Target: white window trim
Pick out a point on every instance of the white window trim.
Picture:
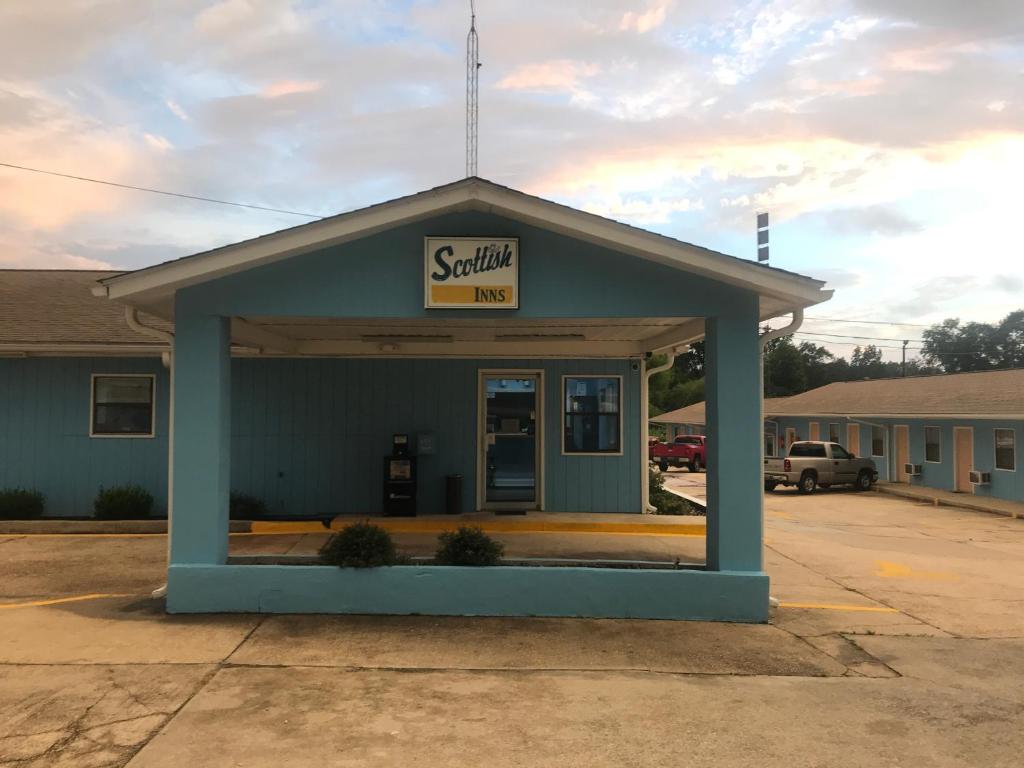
(562, 413)
(1012, 431)
(926, 459)
(152, 405)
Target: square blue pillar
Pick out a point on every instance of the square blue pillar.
(202, 438)
(735, 526)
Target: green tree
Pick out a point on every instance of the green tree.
(973, 346)
(784, 369)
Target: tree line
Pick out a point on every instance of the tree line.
(791, 368)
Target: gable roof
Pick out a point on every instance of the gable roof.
(695, 413)
(55, 310)
(982, 394)
(781, 291)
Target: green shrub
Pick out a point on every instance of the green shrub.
(123, 502)
(360, 545)
(20, 504)
(245, 506)
(666, 502)
(468, 545)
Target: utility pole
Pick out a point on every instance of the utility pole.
(472, 92)
(904, 364)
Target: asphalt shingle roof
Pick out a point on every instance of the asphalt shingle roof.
(56, 306)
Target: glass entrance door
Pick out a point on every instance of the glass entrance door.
(510, 447)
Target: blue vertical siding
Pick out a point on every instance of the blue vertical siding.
(308, 435)
(44, 433)
(1005, 484)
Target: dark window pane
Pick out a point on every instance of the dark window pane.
(1006, 449)
(123, 405)
(809, 450)
(932, 444)
(592, 405)
(877, 441)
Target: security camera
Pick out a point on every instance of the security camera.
(635, 366)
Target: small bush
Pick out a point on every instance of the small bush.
(468, 545)
(245, 506)
(360, 545)
(123, 502)
(20, 504)
(666, 502)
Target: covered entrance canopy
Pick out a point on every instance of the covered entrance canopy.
(345, 314)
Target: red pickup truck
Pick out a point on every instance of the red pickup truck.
(685, 450)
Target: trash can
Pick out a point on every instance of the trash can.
(453, 494)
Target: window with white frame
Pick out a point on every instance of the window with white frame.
(122, 405)
(1006, 449)
(878, 441)
(592, 422)
(833, 433)
(933, 444)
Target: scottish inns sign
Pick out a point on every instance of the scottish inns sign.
(472, 272)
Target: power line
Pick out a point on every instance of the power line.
(160, 191)
(865, 338)
(868, 322)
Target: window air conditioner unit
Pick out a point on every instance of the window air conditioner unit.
(914, 470)
(980, 478)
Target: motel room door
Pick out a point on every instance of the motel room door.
(901, 434)
(964, 453)
(510, 440)
(853, 439)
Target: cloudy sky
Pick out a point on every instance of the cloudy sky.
(886, 137)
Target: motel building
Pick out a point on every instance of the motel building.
(505, 335)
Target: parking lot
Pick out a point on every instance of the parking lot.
(899, 640)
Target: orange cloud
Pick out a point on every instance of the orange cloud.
(290, 87)
(557, 75)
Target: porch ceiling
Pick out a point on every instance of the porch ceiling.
(483, 337)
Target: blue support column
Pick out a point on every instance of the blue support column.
(734, 472)
(202, 439)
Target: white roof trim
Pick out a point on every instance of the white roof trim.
(471, 194)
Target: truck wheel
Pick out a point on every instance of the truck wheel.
(808, 483)
(769, 485)
(863, 482)
(695, 464)
(663, 465)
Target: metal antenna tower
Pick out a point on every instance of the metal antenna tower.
(472, 91)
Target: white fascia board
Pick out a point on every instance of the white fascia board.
(517, 349)
(790, 291)
(166, 278)
(653, 247)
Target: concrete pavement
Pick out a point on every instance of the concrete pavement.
(900, 641)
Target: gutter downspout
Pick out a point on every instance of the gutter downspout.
(131, 317)
(762, 342)
(645, 414)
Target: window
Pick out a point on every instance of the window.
(877, 441)
(1006, 449)
(593, 414)
(838, 452)
(933, 444)
(770, 439)
(833, 433)
(688, 440)
(808, 450)
(122, 406)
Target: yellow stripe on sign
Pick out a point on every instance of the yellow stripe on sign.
(831, 607)
(487, 295)
(58, 600)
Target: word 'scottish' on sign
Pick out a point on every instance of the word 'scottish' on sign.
(471, 273)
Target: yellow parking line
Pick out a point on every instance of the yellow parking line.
(56, 601)
(830, 607)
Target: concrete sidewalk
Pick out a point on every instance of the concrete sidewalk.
(948, 498)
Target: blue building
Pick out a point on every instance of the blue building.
(956, 432)
(508, 336)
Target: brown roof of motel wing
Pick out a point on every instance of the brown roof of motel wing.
(983, 394)
(56, 307)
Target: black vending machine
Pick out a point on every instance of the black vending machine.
(400, 480)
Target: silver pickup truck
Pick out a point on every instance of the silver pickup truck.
(811, 463)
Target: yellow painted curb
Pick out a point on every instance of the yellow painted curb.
(58, 600)
(283, 526)
(414, 525)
